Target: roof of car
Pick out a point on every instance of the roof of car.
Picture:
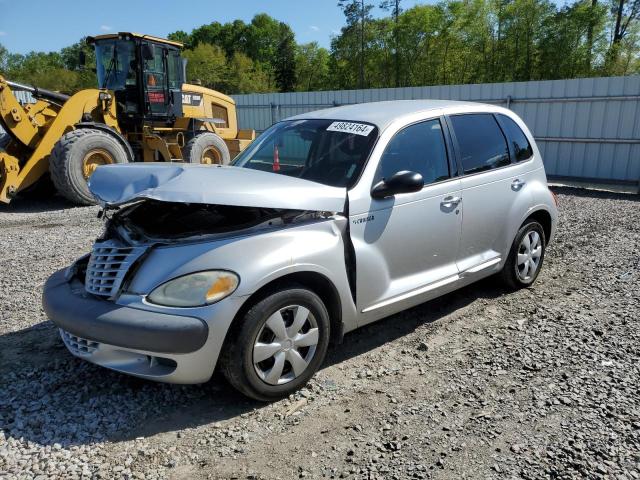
(380, 114)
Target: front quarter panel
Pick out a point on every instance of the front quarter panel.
(258, 259)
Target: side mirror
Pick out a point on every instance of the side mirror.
(400, 182)
(82, 58)
(147, 52)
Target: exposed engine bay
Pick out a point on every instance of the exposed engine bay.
(156, 221)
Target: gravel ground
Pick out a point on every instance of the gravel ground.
(540, 383)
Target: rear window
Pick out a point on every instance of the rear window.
(482, 143)
(521, 147)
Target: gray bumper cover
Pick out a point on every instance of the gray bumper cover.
(106, 322)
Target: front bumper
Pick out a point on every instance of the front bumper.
(149, 344)
(88, 317)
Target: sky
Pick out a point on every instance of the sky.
(43, 25)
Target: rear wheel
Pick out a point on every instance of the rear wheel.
(207, 148)
(526, 256)
(76, 156)
(279, 344)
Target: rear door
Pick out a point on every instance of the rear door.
(406, 245)
(490, 187)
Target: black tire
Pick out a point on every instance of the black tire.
(509, 273)
(237, 356)
(207, 148)
(67, 158)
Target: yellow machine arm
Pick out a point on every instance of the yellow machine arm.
(36, 127)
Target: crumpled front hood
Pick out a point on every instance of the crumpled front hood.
(114, 185)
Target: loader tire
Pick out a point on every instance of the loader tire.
(74, 158)
(206, 148)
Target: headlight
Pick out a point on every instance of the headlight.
(195, 289)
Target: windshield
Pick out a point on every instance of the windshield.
(116, 61)
(330, 152)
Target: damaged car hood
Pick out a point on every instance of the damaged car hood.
(114, 185)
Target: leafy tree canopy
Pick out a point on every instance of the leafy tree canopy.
(449, 42)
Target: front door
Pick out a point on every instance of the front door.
(406, 245)
(157, 99)
(175, 80)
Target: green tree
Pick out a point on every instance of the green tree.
(394, 7)
(207, 64)
(312, 67)
(180, 36)
(284, 63)
(357, 14)
(263, 37)
(71, 60)
(270, 44)
(625, 15)
(245, 76)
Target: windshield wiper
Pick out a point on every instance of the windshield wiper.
(111, 67)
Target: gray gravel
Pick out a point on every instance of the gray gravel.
(540, 383)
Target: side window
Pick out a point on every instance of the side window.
(154, 69)
(521, 146)
(418, 148)
(482, 144)
(174, 69)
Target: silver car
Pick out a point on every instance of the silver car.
(328, 221)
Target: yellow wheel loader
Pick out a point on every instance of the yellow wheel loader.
(142, 111)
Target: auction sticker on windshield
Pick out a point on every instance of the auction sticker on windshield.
(351, 127)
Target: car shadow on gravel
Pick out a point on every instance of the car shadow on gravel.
(404, 323)
(49, 397)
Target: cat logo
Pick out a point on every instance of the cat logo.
(192, 99)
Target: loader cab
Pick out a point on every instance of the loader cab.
(146, 75)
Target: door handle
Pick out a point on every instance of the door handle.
(450, 201)
(517, 184)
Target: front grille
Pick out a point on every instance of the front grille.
(78, 345)
(108, 265)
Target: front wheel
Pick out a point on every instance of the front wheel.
(279, 344)
(206, 148)
(525, 257)
(76, 156)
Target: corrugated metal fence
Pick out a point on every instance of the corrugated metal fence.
(587, 129)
